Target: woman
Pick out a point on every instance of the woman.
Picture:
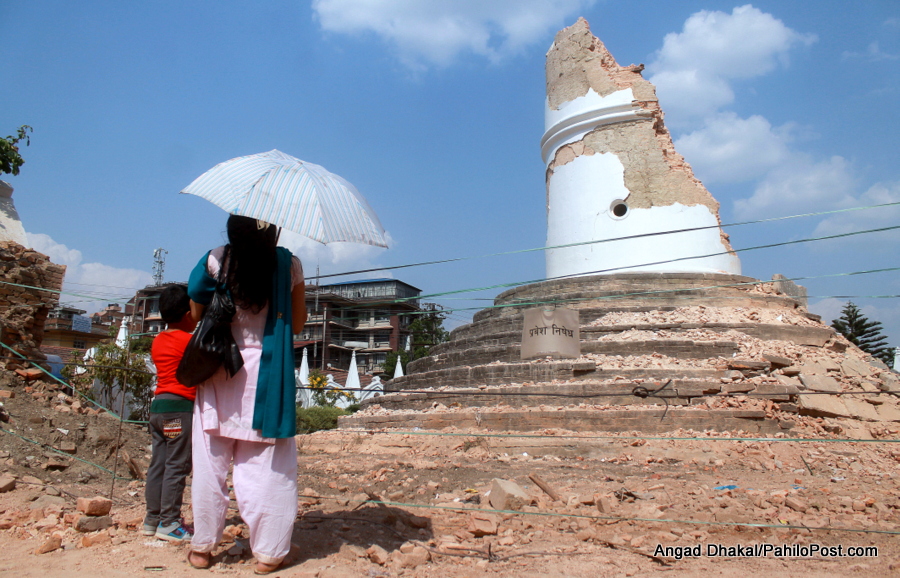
(249, 419)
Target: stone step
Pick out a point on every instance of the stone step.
(507, 373)
(510, 353)
(672, 391)
(799, 334)
(646, 420)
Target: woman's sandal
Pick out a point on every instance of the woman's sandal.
(206, 558)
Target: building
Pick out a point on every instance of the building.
(369, 317)
(144, 310)
(110, 316)
(68, 328)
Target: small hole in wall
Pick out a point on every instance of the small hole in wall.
(618, 208)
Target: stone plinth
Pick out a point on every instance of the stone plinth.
(659, 352)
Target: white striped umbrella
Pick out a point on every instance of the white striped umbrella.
(293, 194)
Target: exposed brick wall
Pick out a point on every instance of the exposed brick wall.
(23, 310)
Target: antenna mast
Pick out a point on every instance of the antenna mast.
(159, 266)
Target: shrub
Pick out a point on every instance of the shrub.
(313, 419)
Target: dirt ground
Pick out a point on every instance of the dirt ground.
(621, 497)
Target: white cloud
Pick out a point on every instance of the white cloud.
(89, 286)
(693, 68)
(873, 53)
(868, 219)
(799, 186)
(730, 149)
(426, 33)
(334, 257)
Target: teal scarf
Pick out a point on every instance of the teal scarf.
(274, 412)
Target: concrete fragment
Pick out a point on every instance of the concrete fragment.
(508, 495)
(96, 506)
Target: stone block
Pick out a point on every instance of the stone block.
(508, 495)
(52, 543)
(378, 554)
(888, 412)
(67, 446)
(742, 364)
(7, 483)
(738, 387)
(483, 524)
(415, 558)
(777, 361)
(852, 367)
(97, 539)
(96, 506)
(820, 382)
(859, 409)
(93, 523)
(828, 405)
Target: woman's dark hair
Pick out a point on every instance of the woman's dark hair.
(251, 261)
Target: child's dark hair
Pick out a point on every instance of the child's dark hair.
(174, 303)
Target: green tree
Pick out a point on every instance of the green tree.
(428, 329)
(390, 362)
(115, 368)
(863, 333)
(10, 159)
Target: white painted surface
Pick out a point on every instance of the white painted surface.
(579, 116)
(11, 228)
(580, 194)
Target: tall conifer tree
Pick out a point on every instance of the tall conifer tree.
(863, 333)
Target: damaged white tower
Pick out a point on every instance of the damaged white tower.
(612, 171)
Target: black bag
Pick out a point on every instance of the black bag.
(212, 345)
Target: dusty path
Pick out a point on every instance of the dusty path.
(853, 486)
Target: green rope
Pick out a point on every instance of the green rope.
(628, 237)
(637, 519)
(611, 437)
(613, 269)
(83, 396)
(51, 448)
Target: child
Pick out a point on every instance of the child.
(170, 421)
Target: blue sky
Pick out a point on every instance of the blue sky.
(434, 110)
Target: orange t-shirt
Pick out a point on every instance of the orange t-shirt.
(166, 352)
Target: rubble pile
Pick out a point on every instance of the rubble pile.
(30, 289)
(748, 352)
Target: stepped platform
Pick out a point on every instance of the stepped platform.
(690, 344)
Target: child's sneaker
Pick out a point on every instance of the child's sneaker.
(148, 530)
(174, 532)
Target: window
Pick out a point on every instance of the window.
(79, 344)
